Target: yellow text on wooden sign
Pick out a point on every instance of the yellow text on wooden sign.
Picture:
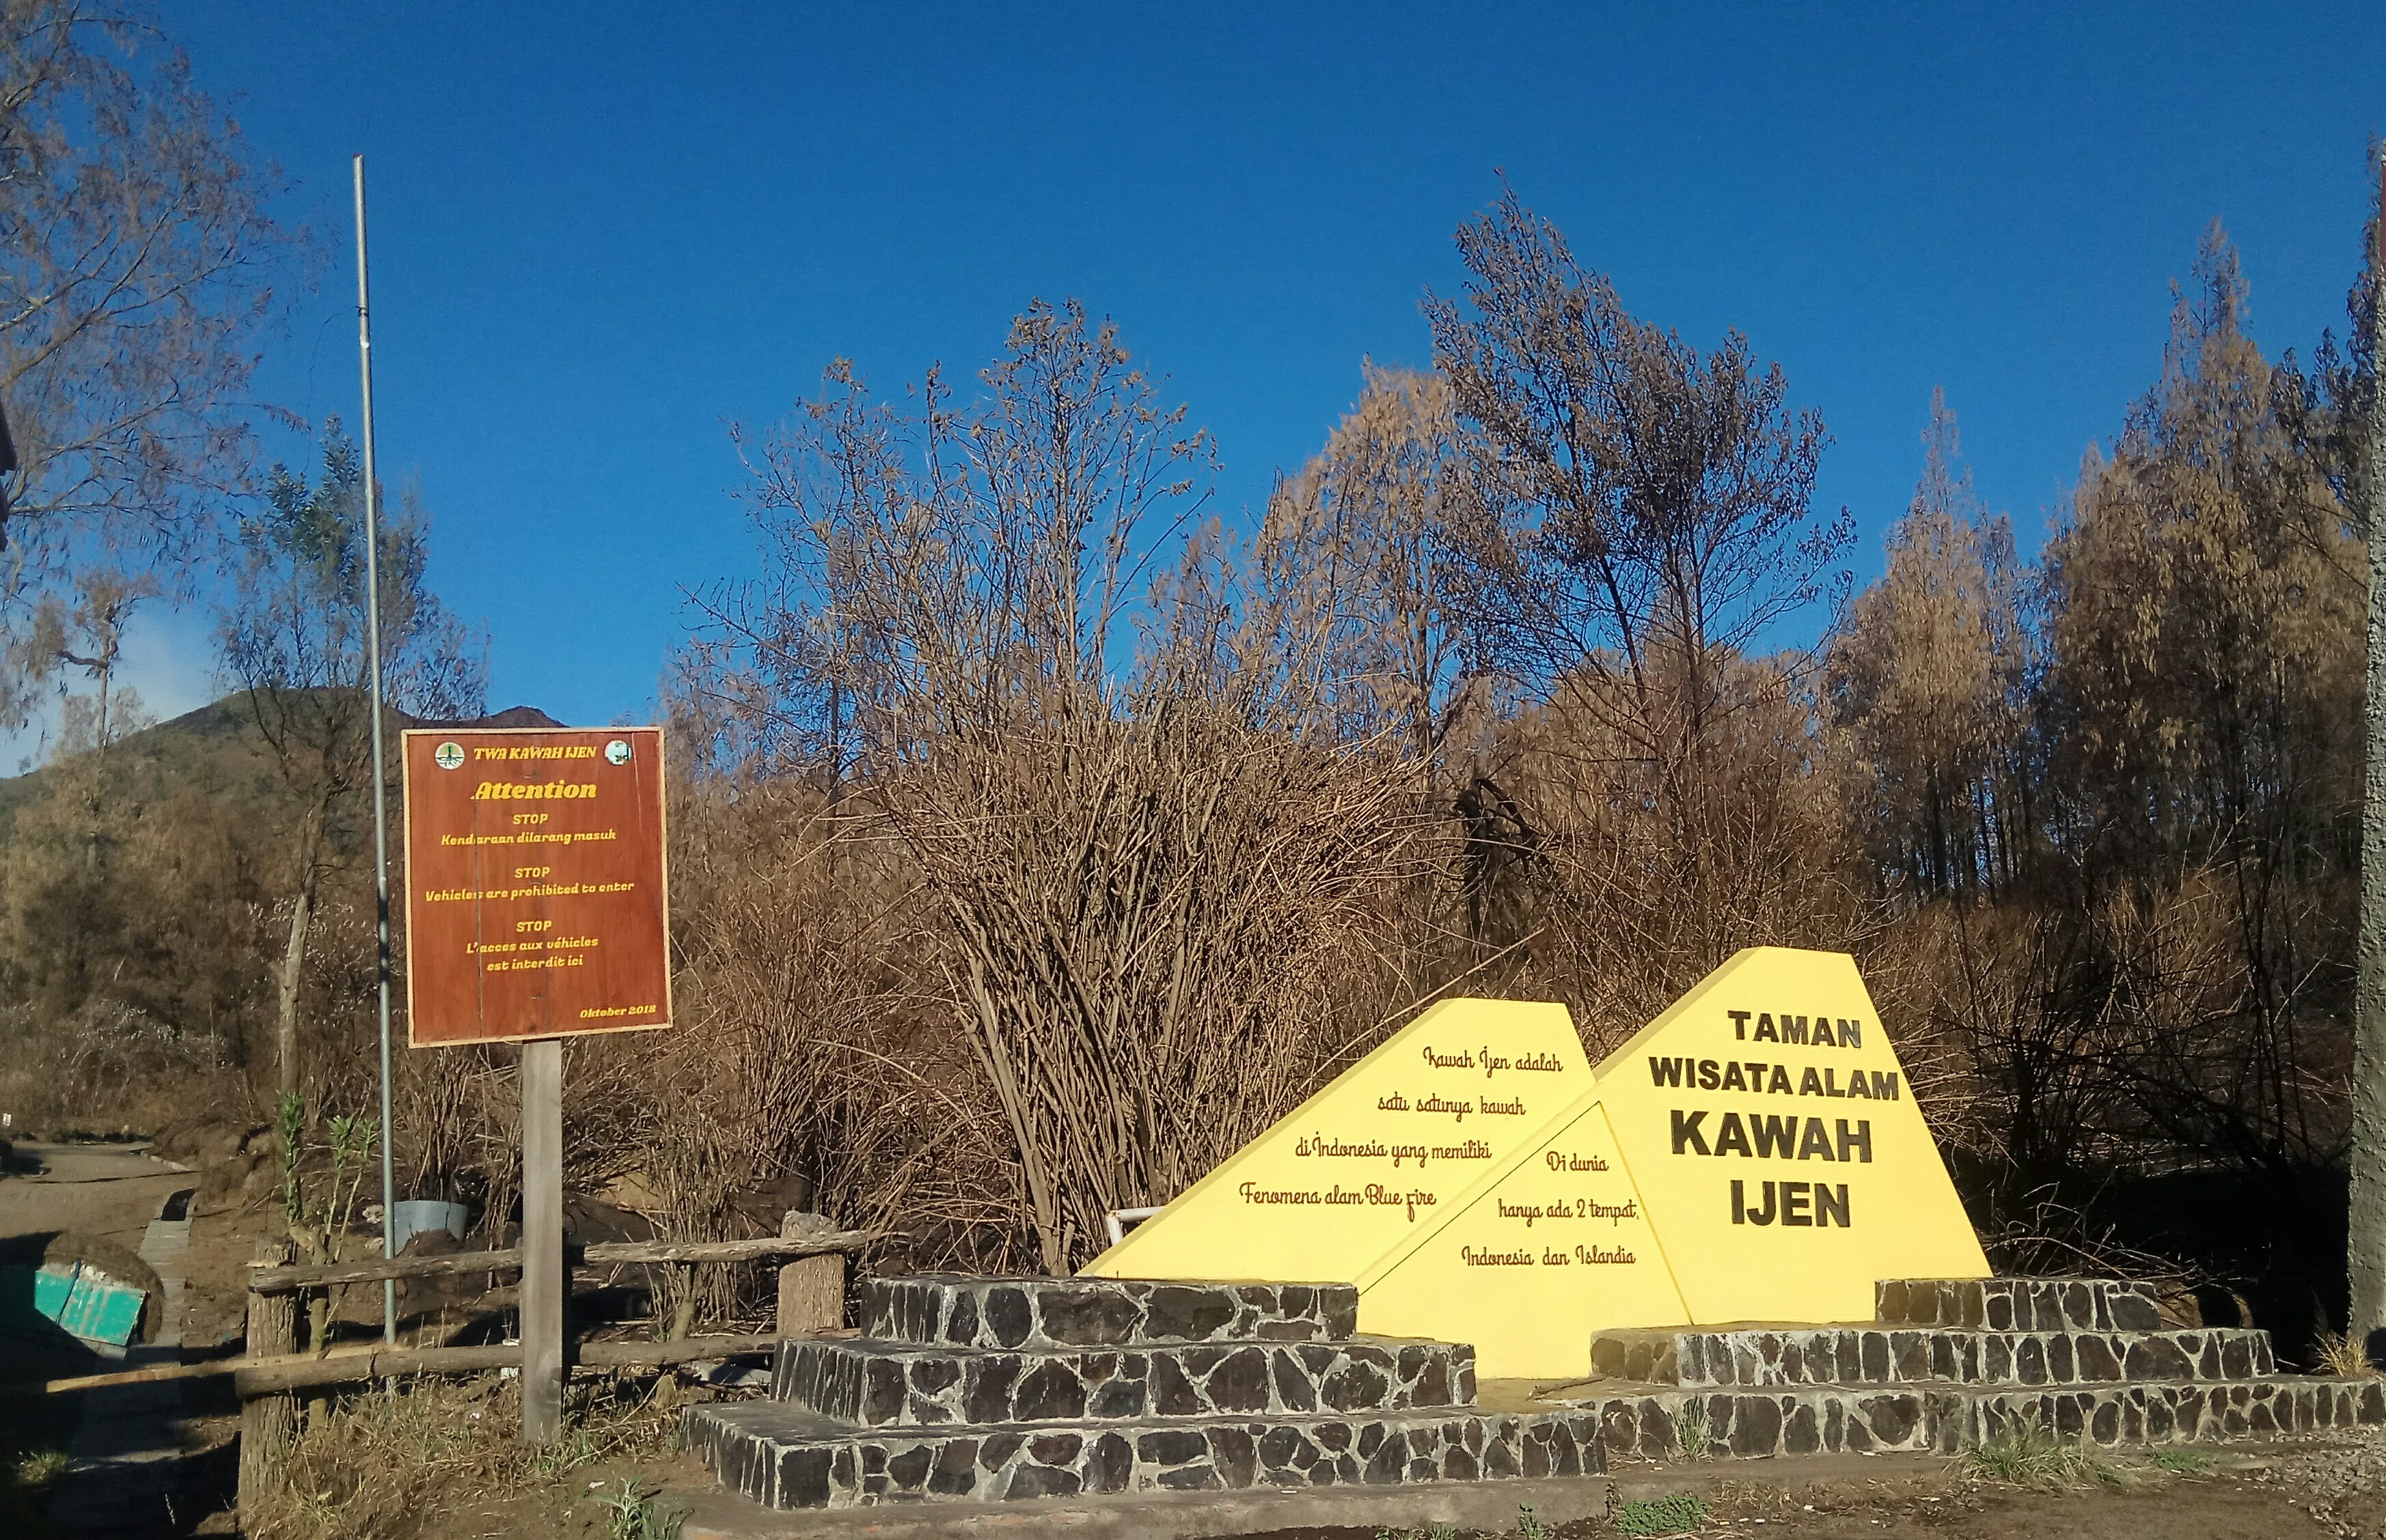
(1754, 1153)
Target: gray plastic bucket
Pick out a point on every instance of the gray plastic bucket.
(410, 1219)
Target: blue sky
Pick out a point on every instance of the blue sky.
(602, 232)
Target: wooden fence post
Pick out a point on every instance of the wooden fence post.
(812, 1289)
(546, 1282)
(268, 1422)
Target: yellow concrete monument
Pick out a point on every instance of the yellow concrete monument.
(1753, 1154)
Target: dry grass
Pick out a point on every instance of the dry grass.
(376, 1467)
(2342, 1354)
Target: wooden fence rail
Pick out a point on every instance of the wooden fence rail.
(267, 1279)
(811, 1298)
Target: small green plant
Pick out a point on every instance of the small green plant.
(1528, 1524)
(1438, 1531)
(1692, 1430)
(631, 1513)
(37, 1469)
(1678, 1514)
(2024, 1454)
(2181, 1462)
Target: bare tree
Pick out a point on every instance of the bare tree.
(293, 639)
(137, 263)
(1139, 858)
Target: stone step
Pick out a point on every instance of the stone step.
(1652, 1420)
(1060, 1313)
(2018, 1304)
(783, 1457)
(879, 1384)
(1763, 1355)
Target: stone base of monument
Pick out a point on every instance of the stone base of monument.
(1948, 1363)
(963, 1389)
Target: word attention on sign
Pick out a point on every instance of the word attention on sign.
(1753, 1154)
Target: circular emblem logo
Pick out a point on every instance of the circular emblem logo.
(617, 752)
(448, 756)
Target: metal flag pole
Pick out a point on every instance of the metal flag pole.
(380, 780)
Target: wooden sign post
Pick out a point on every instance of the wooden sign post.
(537, 909)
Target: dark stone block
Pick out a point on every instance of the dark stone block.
(1875, 1355)
(955, 1472)
(1008, 1316)
(1171, 1394)
(1055, 1448)
(1756, 1426)
(1457, 1464)
(1997, 1310)
(2097, 1358)
(1051, 1393)
(1798, 1434)
(1041, 1481)
(987, 1398)
(997, 1449)
(1190, 1478)
(1384, 1466)
(2104, 1421)
(1371, 1438)
(1114, 1399)
(932, 1374)
(1187, 1314)
(1356, 1386)
(882, 1391)
(1170, 1446)
(2029, 1361)
(1233, 1455)
(1111, 1466)
(1292, 1387)
(1296, 1300)
(1088, 1317)
(1279, 1446)
(874, 1460)
(1240, 1383)
(1431, 1388)
(2158, 1358)
(2236, 1358)
(804, 1479)
(907, 1471)
(1500, 1460)
(1334, 1437)
(962, 1328)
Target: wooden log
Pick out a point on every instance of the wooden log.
(263, 1279)
(812, 1289)
(263, 1377)
(654, 1355)
(763, 1251)
(268, 1423)
(306, 1371)
(286, 1280)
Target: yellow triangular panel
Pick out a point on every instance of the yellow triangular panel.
(1771, 1131)
(1559, 1240)
(1368, 1163)
(1754, 1153)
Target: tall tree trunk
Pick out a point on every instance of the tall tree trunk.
(294, 960)
(2366, 1219)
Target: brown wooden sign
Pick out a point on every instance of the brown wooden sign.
(535, 883)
